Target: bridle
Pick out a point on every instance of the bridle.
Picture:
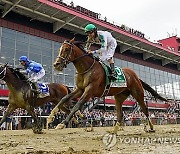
(66, 60)
(3, 72)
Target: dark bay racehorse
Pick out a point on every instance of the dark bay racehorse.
(22, 96)
(90, 82)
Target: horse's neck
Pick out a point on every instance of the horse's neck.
(83, 63)
(12, 88)
(13, 83)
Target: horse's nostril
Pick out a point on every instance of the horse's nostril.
(54, 64)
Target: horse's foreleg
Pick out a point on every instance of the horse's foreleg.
(56, 109)
(74, 109)
(67, 111)
(81, 115)
(37, 129)
(75, 94)
(9, 110)
(86, 95)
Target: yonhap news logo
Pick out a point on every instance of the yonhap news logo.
(149, 140)
(110, 140)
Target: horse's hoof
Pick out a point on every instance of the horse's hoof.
(116, 129)
(121, 129)
(60, 126)
(151, 131)
(111, 132)
(40, 132)
(37, 131)
(89, 129)
(146, 130)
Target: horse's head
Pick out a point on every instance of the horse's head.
(3, 70)
(65, 55)
(6, 70)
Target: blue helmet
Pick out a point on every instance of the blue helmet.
(23, 58)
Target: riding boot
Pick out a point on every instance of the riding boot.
(37, 90)
(113, 72)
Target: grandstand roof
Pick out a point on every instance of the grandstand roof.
(68, 17)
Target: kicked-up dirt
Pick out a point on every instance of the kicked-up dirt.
(133, 140)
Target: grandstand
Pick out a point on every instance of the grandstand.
(37, 28)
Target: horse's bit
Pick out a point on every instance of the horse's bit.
(65, 61)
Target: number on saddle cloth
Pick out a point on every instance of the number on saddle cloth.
(44, 88)
(120, 79)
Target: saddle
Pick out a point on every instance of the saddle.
(107, 69)
(119, 81)
(40, 90)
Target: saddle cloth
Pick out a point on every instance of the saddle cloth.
(120, 80)
(43, 89)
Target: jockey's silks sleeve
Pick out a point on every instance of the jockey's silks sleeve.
(103, 41)
(33, 67)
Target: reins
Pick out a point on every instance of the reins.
(88, 68)
(66, 59)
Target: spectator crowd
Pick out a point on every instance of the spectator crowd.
(20, 119)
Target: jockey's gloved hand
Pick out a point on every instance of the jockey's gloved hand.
(29, 80)
(22, 71)
(90, 52)
(17, 69)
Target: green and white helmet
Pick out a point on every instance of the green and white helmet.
(89, 28)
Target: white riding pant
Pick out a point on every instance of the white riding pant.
(34, 77)
(109, 53)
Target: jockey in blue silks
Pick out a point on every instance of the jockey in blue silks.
(33, 69)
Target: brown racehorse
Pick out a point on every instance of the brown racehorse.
(90, 82)
(22, 96)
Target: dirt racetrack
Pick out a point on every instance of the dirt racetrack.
(133, 140)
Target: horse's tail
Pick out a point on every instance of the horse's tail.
(152, 91)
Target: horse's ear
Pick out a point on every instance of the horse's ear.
(72, 40)
(5, 64)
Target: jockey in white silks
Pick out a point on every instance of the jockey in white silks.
(108, 45)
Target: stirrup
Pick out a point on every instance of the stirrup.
(36, 91)
(113, 76)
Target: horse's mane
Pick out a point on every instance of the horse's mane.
(80, 45)
(17, 73)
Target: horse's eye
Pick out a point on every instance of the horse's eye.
(66, 49)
